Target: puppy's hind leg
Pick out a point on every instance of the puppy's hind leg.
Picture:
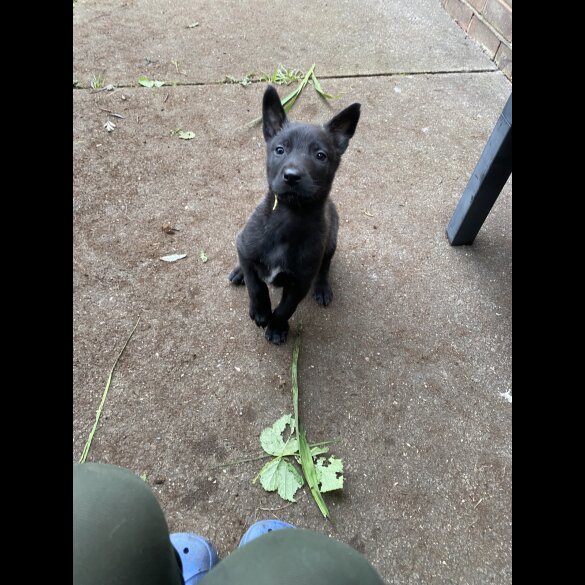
(322, 291)
(236, 276)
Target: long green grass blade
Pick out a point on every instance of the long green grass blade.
(289, 100)
(310, 473)
(282, 75)
(307, 463)
(98, 414)
(320, 90)
(294, 371)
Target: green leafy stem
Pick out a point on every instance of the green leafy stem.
(285, 442)
(289, 100)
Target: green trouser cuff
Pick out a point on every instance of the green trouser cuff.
(293, 557)
(120, 535)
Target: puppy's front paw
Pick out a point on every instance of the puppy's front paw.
(236, 276)
(277, 333)
(260, 316)
(323, 294)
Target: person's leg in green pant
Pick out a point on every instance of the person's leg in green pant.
(293, 557)
(120, 537)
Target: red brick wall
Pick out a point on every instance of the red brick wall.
(489, 23)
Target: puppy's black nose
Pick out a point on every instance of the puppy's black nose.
(291, 176)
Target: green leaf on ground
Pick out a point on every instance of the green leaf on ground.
(183, 134)
(280, 475)
(272, 441)
(203, 256)
(186, 134)
(330, 476)
(109, 126)
(193, 25)
(146, 82)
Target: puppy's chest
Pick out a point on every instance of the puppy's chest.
(289, 250)
(275, 262)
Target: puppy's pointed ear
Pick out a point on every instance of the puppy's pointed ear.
(273, 114)
(342, 126)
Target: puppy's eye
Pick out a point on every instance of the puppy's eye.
(321, 155)
(279, 150)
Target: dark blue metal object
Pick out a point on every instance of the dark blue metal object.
(488, 178)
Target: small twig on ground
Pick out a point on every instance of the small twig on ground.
(112, 113)
(98, 414)
(265, 456)
(238, 462)
(176, 64)
(109, 87)
(279, 508)
(272, 510)
(368, 211)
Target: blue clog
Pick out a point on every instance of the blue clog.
(263, 527)
(197, 555)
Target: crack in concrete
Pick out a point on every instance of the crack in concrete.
(341, 76)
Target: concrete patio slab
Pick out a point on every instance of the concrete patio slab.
(124, 39)
(407, 367)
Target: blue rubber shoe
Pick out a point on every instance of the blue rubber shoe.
(263, 527)
(197, 555)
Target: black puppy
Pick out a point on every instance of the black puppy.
(291, 237)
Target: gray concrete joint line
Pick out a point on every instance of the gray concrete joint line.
(351, 76)
(407, 73)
